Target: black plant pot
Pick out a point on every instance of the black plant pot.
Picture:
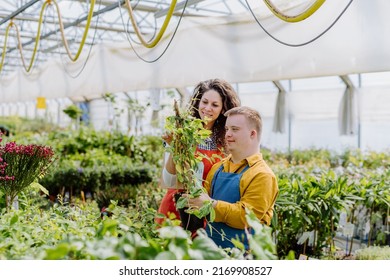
(189, 221)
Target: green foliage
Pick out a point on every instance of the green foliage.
(105, 183)
(309, 204)
(73, 112)
(175, 245)
(261, 243)
(187, 132)
(106, 165)
(373, 253)
(77, 231)
(315, 187)
(27, 234)
(38, 231)
(22, 127)
(85, 140)
(123, 194)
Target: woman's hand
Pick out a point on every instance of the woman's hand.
(167, 137)
(169, 164)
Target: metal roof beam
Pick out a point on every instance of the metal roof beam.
(100, 27)
(179, 6)
(18, 11)
(139, 6)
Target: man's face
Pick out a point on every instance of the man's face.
(238, 134)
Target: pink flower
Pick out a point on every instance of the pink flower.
(20, 165)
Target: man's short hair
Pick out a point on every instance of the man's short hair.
(251, 115)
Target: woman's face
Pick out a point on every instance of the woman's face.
(210, 107)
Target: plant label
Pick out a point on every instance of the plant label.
(343, 219)
(367, 227)
(348, 229)
(303, 257)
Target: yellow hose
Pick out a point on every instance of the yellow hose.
(162, 30)
(12, 24)
(89, 18)
(5, 45)
(38, 36)
(302, 16)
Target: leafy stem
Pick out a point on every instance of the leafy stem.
(187, 132)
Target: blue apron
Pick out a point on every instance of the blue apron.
(226, 187)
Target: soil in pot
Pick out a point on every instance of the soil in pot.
(189, 221)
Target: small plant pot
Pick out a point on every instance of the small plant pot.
(189, 221)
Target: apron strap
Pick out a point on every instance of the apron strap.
(220, 170)
(242, 171)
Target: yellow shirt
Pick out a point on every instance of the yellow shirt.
(258, 190)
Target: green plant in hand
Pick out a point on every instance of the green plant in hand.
(187, 132)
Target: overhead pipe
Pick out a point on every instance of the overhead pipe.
(104, 10)
(74, 23)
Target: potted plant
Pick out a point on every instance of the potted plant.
(20, 166)
(188, 131)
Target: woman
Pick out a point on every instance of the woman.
(211, 99)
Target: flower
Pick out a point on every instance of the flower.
(21, 165)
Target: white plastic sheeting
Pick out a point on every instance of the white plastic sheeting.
(234, 48)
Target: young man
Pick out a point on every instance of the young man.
(242, 180)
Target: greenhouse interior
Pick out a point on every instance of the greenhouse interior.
(88, 90)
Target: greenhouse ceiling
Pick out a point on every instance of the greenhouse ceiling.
(55, 48)
(108, 23)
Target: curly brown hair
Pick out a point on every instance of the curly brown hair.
(229, 100)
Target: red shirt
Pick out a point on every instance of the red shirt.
(213, 155)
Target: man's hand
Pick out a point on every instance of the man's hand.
(198, 201)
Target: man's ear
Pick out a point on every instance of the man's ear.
(253, 133)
